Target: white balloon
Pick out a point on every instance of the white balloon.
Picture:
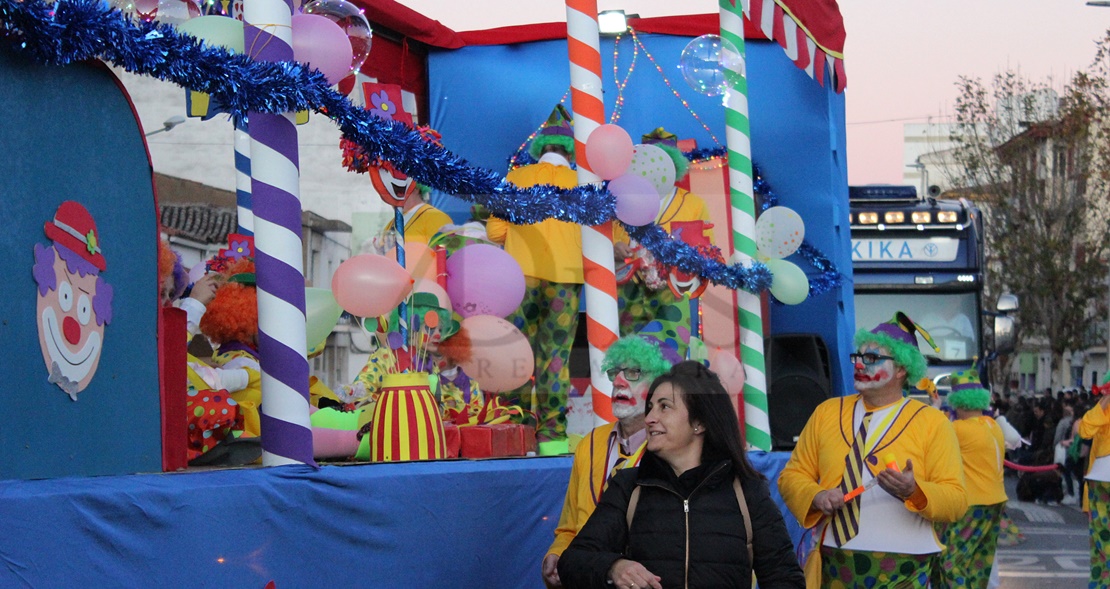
(655, 165)
(779, 232)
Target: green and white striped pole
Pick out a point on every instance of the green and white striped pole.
(757, 428)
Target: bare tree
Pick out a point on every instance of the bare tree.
(1038, 162)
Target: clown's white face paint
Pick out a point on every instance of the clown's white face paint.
(876, 376)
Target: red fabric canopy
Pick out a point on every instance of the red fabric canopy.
(810, 31)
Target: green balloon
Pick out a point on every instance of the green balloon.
(321, 313)
(215, 30)
(789, 283)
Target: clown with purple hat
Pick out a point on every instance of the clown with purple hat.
(550, 256)
(873, 471)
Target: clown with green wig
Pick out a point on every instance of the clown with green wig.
(631, 363)
(550, 256)
(648, 289)
(873, 471)
(971, 540)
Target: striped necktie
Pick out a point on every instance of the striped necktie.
(845, 523)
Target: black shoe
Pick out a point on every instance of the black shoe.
(231, 452)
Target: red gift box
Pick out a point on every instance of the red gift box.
(452, 438)
(528, 437)
(488, 441)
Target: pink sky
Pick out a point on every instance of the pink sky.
(902, 57)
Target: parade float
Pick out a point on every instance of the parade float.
(91, 411)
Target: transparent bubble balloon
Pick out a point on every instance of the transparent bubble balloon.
(708, 63)
(353, 22)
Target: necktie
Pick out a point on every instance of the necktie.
(845, 523)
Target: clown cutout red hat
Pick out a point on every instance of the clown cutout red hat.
(74, 228)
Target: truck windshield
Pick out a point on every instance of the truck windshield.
(952, 319)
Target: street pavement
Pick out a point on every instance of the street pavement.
(1054, 552)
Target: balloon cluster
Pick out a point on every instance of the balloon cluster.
(779, 232)
(639, 175)
(332, 36)
(484, 285)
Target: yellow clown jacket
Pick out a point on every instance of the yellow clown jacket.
(983, 448)
(588, 478)
(423, 224)
(919, 433)
(1095, 426)
(550, 250)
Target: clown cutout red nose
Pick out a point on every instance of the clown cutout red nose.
(74, 301)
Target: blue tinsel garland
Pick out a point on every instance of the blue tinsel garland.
(70, 31)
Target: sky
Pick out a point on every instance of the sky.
(903, 57)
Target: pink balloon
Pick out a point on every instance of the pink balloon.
(484, 280)
(430, 286)
(501, 358)
(609, 151)
(370, 285)
(729, 369)
(637, 199)
(323, 45)
(420, 260)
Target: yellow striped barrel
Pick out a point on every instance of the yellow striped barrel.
(406, 424)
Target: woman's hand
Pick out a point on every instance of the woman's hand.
(550, 572)
(900, 484)
(629, 574)
(829, 501)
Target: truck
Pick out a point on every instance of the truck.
(925, 256)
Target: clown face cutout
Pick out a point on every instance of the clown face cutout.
(393, 185)
(74, 303)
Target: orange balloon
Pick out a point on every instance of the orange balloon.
(501, 358)
(420, 260)
(729, 369)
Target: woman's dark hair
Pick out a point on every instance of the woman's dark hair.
(710, 404)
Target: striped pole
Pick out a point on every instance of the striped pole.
(757, 428)
(403, 308)
(275, 186)
(244, 209)
(602, 323)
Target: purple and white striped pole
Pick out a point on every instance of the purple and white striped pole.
(244, 209)
(275, 188)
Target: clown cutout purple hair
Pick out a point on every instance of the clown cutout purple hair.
(74, 302)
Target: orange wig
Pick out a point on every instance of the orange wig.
(232, 316)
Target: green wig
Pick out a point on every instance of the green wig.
(968, 392)
(681, 164)
(905, 355)
(637, 352)
(541, 141)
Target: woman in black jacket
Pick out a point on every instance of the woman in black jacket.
(686, 528)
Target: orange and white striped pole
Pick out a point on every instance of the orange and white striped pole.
(602, 321)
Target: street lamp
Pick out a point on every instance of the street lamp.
(168, 124)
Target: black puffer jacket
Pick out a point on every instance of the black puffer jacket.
(662, 531)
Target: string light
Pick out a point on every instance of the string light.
(659, 69)
(621, 85)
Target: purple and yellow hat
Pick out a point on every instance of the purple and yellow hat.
(668, 142)
(557, 130)
(899, 335)
(968, 392)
